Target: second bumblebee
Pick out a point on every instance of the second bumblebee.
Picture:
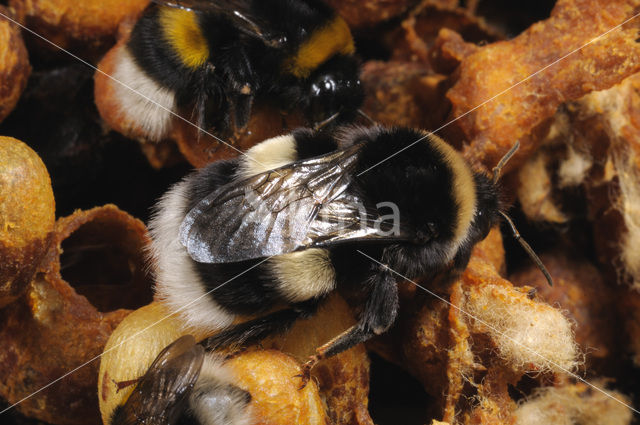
(208, 60)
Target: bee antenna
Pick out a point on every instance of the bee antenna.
(367, 117)
(498, 168)
(527, 247)
(321, 124)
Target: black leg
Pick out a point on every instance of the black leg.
(380, 311)
(242, 110)
(240, 76)
(208, 103)
(256, 330)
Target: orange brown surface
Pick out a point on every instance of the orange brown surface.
(27, 216)
(276, 397)
(522, 112)
(51, 329)
(398, 93)
(343, 380)
(68, 23)
(424, 63)
(367, 13)
(14, 65)
(420, 30)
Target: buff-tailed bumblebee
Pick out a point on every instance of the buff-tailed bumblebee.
(301, 214)
(208, 60)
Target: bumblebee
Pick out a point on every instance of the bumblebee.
(184, 385)
(303, 213)
(208, 60)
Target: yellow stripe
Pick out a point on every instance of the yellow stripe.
(464, 189)
(181, 30)
(335, 37)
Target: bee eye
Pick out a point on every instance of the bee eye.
(324, 86)
(323, 92)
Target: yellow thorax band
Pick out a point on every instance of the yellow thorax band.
(181, 30)
(335, 37)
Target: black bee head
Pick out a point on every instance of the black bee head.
(487, 210)
(334, 88)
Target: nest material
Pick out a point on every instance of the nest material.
(576, 122)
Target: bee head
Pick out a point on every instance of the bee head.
(334, 88)
(490, 210)
(488, 207)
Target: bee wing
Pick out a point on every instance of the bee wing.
(301, 205)
(238, 11)
(161, 394)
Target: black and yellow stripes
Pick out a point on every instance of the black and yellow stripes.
(325, 42)
(182, 32)
(463, 189)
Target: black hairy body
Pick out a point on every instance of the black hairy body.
(444, 210)
(210, 67)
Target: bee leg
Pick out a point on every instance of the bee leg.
(121, 385)
(256, 330)
(239, 72)
(242, 88)
(380, 311)
(209, 109)
(242, 110)
(235, 353)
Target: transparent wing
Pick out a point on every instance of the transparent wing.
(238, 11)
(305, 204)
(161, 394)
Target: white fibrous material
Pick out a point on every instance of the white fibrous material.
(594, 143)
(535, 191)
(529, 335)
(536, 187)
(628, 203)
(573, 171)
(573, 405)
(617, 109)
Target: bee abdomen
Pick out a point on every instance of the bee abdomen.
(303, 275)
(178, 282)
(139, 96)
